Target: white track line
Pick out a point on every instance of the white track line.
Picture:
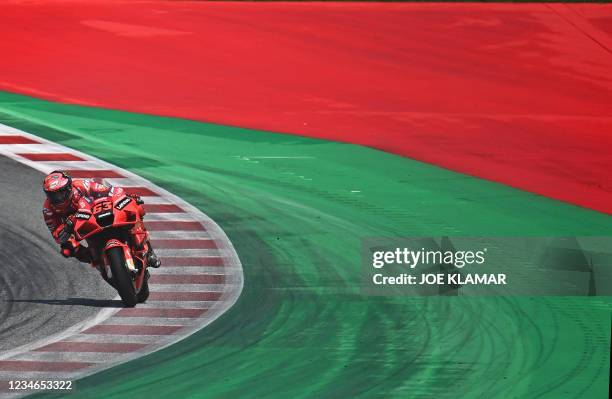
(179, 312)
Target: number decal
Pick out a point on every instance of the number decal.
(102, 206)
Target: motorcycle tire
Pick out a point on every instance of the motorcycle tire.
(143, 294)
(121, 277)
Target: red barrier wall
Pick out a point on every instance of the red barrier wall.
(516, 93)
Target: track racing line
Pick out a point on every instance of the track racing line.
(200, 278)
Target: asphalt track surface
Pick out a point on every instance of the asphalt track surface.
(41, 292)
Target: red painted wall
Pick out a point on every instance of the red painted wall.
(516, 93)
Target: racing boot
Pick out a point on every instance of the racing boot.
(152, 259)
(83, 255)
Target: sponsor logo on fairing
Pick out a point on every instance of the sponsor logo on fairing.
(82, 215)
(123, 203)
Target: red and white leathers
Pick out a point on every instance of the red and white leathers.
(84, 193)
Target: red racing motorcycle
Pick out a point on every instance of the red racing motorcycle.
(117, 240)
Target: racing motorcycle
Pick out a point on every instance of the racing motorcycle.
(113, 230)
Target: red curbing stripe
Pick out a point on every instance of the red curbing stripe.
(168, 225)
(16, 140)
(50, 157)
(163, 208)
(67, 346)
(187, 279)
(175, 261)
(142, 191)
(184, 244)
(84, 173)
(184, 296)
(123, 329)
(33, 365)
(161, 312)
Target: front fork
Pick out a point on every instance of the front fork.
(138, 274)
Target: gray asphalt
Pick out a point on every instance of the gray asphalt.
(41, 293)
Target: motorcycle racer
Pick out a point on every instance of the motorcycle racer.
(65, 196)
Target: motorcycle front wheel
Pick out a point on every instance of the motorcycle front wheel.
(143, 294)
(121, 277)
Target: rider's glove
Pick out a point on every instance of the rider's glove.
(64, 235)
(137, 198)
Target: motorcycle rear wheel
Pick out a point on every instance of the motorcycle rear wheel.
(121, 277)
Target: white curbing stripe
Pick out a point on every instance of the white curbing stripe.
(170, 235)
(174, 328)
(186, 287)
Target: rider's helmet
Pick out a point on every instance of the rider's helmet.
(58, 188)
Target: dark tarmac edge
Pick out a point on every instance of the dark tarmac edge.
(41, 293)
